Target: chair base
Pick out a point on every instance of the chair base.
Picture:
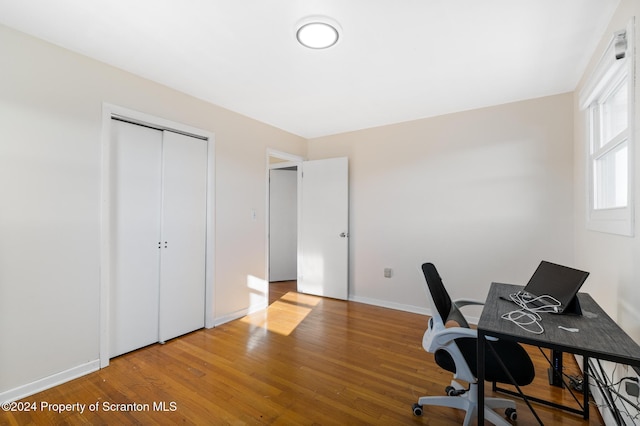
(469, 403)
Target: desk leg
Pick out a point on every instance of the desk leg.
(555, 370)
(585, 386)
(481, 374)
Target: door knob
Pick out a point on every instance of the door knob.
(343, 235)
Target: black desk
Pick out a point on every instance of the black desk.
(599, 336)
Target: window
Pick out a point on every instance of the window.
(608, 103)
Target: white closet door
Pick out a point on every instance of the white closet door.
(182, 276)
(136, 202)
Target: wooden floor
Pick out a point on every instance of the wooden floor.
(305, 360)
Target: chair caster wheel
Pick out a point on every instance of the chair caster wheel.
(511, 414)
(451, 391)
(417, 409)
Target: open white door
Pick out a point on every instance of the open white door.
(324, 228)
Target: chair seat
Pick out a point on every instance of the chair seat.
(514, 356)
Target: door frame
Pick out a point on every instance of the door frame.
(110, 111)
(288, 160)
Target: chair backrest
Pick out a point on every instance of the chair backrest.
(446, 308)
(459, 355)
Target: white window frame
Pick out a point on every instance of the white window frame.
(611, 71)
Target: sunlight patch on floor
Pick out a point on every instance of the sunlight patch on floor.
(303, 299)
(285, 314)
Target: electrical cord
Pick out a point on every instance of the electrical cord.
(575, 383)
(620, 406)
(528, 316)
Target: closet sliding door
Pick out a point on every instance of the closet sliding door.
(184, 206)
(135, 268)
(157, 290)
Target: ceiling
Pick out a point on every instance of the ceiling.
(397, 60)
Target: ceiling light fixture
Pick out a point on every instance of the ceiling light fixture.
(318, 32)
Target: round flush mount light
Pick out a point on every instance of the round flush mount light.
(318, 32)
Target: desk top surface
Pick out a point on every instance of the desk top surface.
(598, 336)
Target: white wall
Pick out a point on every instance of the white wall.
(614, 261)
(484, 194)
(283, 225)
(50, 116)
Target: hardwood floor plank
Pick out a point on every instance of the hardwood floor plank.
(303, 361)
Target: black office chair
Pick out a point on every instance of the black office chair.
(455, 350)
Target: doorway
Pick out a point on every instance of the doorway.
(322, 261)
(282, 221)
(283, 224)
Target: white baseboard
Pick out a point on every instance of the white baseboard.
(391, 305)
(366, 300)
(239, 314)
(401, 307)
(49, 381)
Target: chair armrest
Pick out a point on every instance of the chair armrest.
(433, 339)
(452, 333)
(466, 302)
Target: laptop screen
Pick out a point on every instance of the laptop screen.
(557, 281)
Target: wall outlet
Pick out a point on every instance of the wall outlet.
(388, 272)
(632, 388)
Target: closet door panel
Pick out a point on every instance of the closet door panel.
(136, 201)
(182, 278)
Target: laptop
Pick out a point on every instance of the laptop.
(560, 282)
